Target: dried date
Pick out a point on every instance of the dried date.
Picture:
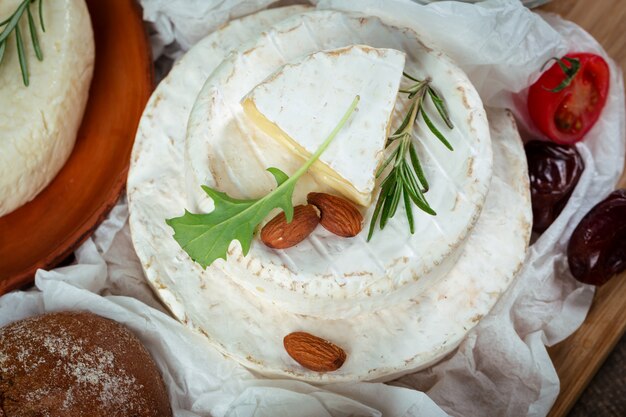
(554, 171)
(597, 248)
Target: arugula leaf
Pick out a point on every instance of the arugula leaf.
(206, 237)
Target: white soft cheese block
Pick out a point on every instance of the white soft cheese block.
(301, 103)
(38, 124)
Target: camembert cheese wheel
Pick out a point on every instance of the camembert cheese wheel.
(389, 342)
(325, 275)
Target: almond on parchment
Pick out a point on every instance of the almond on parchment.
(313, 352)
(338, 215)
(278, 234)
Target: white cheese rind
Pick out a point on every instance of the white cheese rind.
(300, 104)
(327, 276)
(39, 123)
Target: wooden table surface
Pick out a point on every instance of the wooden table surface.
(578, 358)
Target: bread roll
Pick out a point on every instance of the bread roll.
(77, 364)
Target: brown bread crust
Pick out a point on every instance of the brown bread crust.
(77, 364)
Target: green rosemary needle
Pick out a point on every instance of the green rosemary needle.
(11, 25)
(406, 181)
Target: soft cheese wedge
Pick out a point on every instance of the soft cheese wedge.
(301, 103)
(39, 123)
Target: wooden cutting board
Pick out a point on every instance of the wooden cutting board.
(579, 357)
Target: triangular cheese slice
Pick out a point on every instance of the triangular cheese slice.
(301, 103)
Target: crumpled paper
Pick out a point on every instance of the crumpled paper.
(501, 369)
(179, 24)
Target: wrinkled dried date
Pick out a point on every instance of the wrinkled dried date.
(554, 171)
(597, 248)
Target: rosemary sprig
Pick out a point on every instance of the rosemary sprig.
(11, 25)
(406, 181)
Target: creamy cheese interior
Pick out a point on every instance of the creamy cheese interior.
(39, 123)
(300, 104)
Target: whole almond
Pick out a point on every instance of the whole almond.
(338, 215)
(313, 352)
(278, 234)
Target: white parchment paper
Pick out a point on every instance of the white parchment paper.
(501, 369)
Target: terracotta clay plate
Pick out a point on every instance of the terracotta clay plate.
(45, 231)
